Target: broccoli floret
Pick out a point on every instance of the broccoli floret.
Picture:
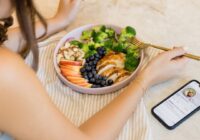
(131, 49)
(101, 28)
(130, 30)
(76, 43)
(86, 48)
(90, 53)
(97, 45)
(127, 34)
(132, 58)
(91, 45)
(87, 35)
(110, 32)
(132, 46)
(89, 48)
(99, 37)
(108, 43)
(131, 62)
(119, 47)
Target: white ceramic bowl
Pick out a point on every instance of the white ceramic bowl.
(76, 33)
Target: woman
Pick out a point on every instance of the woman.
(22, 96)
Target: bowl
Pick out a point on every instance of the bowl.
(76, 33)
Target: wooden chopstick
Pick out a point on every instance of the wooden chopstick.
(195, 57)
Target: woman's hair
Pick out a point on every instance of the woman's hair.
(4, 28)
(26, 13)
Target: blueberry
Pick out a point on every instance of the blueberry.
(104, 78)
(90, 75)
(110, 82)
(101, 51)
(92, 57)
(97, 56)
(86, 77)
(88, 68)
(103, 83)
(88, 59)
(94, 72)
(95, 62)
(96, 77)
(98, 82)
(97, 59)
(85, 73)
(94, 67)
(92, 80)
(82, 70)
(91, 63)
(86, 64)
(100, 77)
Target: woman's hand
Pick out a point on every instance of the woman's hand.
(67, 11)
(165, 66)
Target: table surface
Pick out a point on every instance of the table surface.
(163, 22)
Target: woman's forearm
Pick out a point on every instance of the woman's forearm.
(54, 25)
(108, 122)
(66, 13)
(16, 41)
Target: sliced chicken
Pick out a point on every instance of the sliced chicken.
(117, 58)
(112, 67)
(109, 72)
(105, 67)
(117, 73)
(121, 78)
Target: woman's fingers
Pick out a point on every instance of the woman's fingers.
(174, 53)
(181, 60)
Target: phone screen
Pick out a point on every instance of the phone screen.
(179, 105)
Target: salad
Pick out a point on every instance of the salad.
(100, 58)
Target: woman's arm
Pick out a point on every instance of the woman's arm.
(66, 13)
(26, 111)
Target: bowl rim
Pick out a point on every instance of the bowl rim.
(72, 85)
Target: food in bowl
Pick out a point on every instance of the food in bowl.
(100, 58)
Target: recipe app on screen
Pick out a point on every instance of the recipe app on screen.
(179, 105)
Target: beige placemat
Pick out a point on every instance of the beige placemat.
(79, 107)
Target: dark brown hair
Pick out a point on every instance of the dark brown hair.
(26, 13)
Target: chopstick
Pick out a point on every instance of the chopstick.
(192, 56)
(143, 45)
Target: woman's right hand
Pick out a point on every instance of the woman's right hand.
(163, 67)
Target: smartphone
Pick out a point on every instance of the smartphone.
(179, 106)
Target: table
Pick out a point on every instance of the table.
(162, 22)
